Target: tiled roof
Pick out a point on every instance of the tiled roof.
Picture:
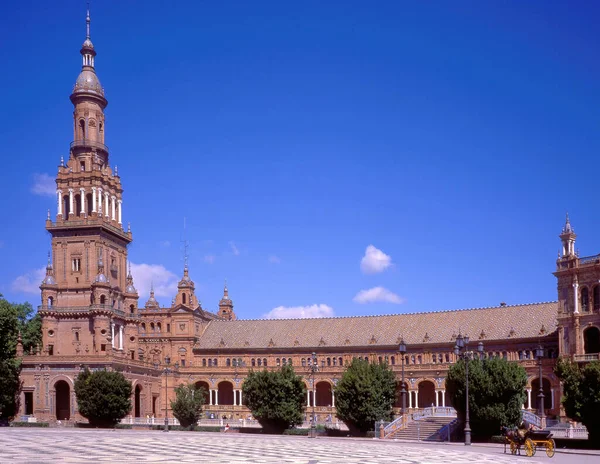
(497, 323)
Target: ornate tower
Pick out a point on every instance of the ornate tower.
(226, 306)
(578, 281)
(87, 295)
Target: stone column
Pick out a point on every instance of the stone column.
(417, 399)
(119, 209)
(71, 202)
(120, 337)
(113, 205)
(59, 194)
(332, 399)
(82, 193)
(437, 398)
(443, 398)
(99, 201)
(240, 397)
(308, 398)
(112, 330)
(94, 200)
(409, 399)
(216, 397)
(210, 397)
(576, 298)
(529, 398)
(106, 204)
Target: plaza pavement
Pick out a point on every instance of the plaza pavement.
(22, 445)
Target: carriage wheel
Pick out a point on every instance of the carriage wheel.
(513, 447)
(550, 448)
(529, 447)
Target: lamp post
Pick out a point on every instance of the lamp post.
(166, 371)
(539, 354)
(402, 351)
(313, 368)
(460, 350)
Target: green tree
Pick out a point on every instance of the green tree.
(103, 397)
(581, 394)
(365, 394)
(14, 318)
(276, 398)
(496, 394)
(187, 407)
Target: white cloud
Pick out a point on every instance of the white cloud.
(234, 249)
(30, 281)
(164, 281)
(274, 259)
(377, 295)
(297, 312)
(210, 259)
(43, 184)
(374, 261)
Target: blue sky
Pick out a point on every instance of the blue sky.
(346, 158)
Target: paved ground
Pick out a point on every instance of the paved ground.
(72, 445)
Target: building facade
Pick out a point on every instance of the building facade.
(91, 314)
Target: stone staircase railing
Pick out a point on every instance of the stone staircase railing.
(401, 422)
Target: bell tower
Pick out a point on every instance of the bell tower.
(88, 278)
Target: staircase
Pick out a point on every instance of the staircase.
(426, 428)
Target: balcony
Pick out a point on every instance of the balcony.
(587, 357)
(86, 143)
(84, 309)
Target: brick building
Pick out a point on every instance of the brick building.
(91, 316)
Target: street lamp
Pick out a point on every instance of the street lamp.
(166, 371)
(402, 350)
(313, 368)
(539, 354)
(460, 350)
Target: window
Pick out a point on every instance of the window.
(284, 362)
(228, 362)
(131, 309)
(76, 336)
(335, 361)
(182, 362)
(204, 363)
(143, 327)
(132, 354)
(585, 299)
(278, 362)
(259, 362)
(184, 298)
(209, 362)
(76, 264)
(380, 360)
(82, 166)
(341, 361)
(290, 361)
(158, 327)
(102, 347)
(50, 350)
(328, 362)
(168, 327)
(215, 362)
(447, 358)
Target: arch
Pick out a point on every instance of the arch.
(585, 299)
(535, 388)
(225, 393)
(66, 206)
(81, 129)
(89, 203)
(131, 309)
(398, 394)
(323, 393)
(426, 394)
(77, 204)
(63, 400)
(102, 299)
(206, 387)
(50, 301)
(137, 404)
(591, 340)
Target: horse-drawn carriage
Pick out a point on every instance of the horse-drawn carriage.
(530, 440)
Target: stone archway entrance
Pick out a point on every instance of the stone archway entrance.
(206, 388)
(535, 389)
(137, 403)
(591, 340)
(323, 394)
(226, 393)
(63, 400)
(426, 394)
